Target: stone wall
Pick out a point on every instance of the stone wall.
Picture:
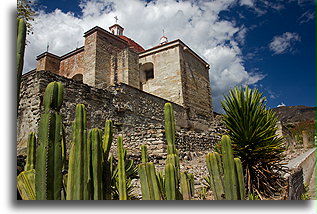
(72, 63)
(167, 81)
(296, 185)
(137, 115)
(196, 84)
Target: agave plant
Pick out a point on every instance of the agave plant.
(252, 129)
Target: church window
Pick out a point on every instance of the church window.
(148, 71)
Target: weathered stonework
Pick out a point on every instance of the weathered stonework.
(116, 79)
(171, 70)
(139, 120)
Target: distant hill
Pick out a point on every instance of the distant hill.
(295, 114)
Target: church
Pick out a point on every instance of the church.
(170, 70)
(117, 79)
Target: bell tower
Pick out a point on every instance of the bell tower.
(116, 29)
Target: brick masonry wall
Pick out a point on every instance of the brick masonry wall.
(72, 64)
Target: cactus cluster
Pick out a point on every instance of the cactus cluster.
(226, 174)
(92, 173)
(173, 184)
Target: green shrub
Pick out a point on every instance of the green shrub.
(252, 129)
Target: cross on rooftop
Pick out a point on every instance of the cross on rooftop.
(116, 18)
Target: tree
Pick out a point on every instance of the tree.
(252, 128)
(26, 13)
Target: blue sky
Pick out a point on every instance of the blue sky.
(265, 44)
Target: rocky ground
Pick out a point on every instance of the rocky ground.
(195, 163)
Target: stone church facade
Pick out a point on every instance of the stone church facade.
(118, 79)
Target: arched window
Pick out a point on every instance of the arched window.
(78, 77)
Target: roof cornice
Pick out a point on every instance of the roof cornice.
(171, 44)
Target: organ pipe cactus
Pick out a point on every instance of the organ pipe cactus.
(144, 154)
(226, 175)
(170, 182)
(169, 128)
(216, 175)
(96, 163)
(149, 184)
(122, 189)
(78, 178)
(228, 169)
(186, 185)
(26, 184)
(240, 178)
(31, 152)
(173, 185)
(107, 139)
(107, 162)
(21, 37)
(48, 178)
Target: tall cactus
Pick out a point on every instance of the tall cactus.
(107, 163)
(78, 178)
(96, 163)
(31, 152)
(149, 183)
(21, 37)
(48, 179)
(169, 128)
(216, 175)
(144, 154)
(240, 179)
(107, 139)
(170, 182)
(226, 176)
(228, 169)
(174, 185)
(121, 171)
(186, 185)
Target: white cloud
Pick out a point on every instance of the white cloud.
(306, 17)
(249, 3)
(284, 43)
(281, 105)
(261, 7)
(196, 23)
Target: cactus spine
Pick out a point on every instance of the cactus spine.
(21, 36)
(121, 171)
(31, 152)
(48, 179)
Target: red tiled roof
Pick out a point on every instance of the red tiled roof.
(138, 48)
